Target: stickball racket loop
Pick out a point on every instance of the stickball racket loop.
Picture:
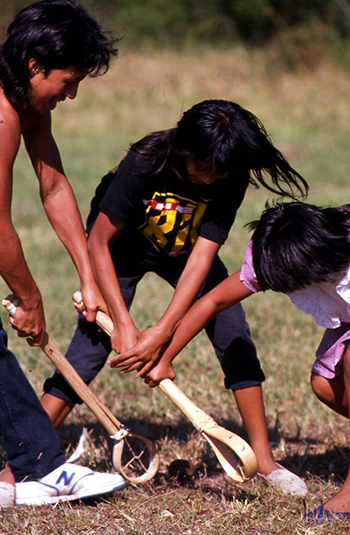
(234, 454)
(142, 460)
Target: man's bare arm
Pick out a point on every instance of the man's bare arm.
(61, 207)
(29, 319)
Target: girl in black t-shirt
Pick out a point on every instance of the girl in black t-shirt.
(168, 208)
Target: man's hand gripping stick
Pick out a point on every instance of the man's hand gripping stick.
(135, 469)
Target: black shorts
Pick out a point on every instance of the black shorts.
(228, 331)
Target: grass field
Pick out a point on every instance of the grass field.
(308, 116)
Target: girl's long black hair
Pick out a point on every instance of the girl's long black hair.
(57, 34)
(227, 137)
(296, 244)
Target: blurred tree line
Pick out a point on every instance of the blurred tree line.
(288, 24)
(222, 21)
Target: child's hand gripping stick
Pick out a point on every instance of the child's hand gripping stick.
(234, 454)
(134, 456)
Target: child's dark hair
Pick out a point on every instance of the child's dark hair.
(57, 34)
(296, 244)
(227, 137)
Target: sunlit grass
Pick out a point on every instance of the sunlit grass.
(308, 116)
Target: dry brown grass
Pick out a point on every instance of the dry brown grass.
(308, 114)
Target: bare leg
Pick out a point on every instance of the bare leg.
(251, 406)
(331, 392)
(340, 502)
(58, 409)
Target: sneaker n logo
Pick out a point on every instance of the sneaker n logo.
(66, 479)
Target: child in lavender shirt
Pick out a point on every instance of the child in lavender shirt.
(303, 251)
(328, 302)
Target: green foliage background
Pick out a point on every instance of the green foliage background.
(276, 58)
(307, 114)
(216, 22)
(221, 21)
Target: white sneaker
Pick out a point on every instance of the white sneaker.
(285, 481)
(7, 495)
(68, 482)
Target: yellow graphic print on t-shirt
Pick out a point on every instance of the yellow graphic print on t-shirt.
(172, 222)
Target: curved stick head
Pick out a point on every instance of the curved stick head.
(234, 454)
(135, 458)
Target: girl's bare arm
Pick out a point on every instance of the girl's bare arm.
(228, 293)
(104, 230)
(153, 341)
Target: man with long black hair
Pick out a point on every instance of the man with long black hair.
(51, 46)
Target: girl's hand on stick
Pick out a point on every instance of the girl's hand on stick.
(143, 355)
(124, 338)
(92, 301)
(162, 370)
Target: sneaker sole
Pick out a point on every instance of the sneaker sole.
(47, 500)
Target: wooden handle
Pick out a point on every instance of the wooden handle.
(116, 430)
(102, 413)
(168, 387)
(197, 417)
(234, 454)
